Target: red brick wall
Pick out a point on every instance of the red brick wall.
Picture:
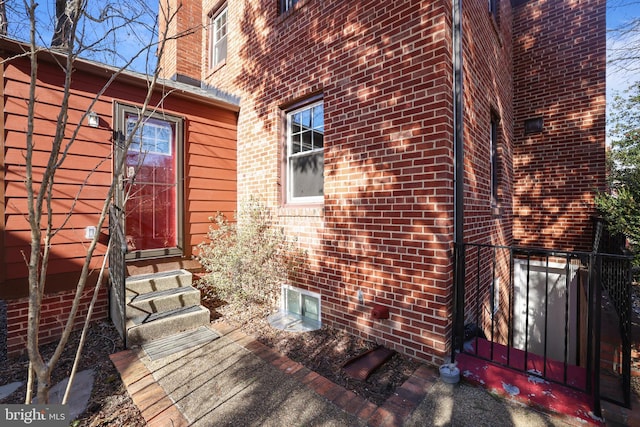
(559, 75)
(55, 309)
(182, 56)
(386, 224)
(487, 93)
(385, 72)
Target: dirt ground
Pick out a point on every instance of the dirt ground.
(323, 351)
(109, 404)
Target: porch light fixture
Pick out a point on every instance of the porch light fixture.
(93, 120)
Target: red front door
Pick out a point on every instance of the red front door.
(151, 191)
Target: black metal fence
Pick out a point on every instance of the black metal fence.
(540, 312)
(117, 270)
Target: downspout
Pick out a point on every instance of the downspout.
(458, 144)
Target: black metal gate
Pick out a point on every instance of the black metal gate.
(117, 270)
(565, 312)
(615, 277)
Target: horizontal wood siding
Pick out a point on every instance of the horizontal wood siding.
(210, 183)
(3, 266)
(83, 179)
(74, 207)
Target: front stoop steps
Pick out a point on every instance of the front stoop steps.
(162, 304)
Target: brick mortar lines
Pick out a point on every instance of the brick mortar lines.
(393, 412)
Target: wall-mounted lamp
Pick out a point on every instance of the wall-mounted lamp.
(93, 119)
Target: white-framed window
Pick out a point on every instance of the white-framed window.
(305, 154)
(152, 136)
(495, 296)
(218, 39)
(287, 5)
(300, 302)
(494, 159)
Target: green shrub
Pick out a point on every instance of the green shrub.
(247, 261)
(620, 206)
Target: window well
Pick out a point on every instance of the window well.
(300, 310)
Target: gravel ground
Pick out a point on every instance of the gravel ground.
(109, 404)
(324, 351)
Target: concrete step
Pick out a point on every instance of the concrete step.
(149, 327)
(145, 283)
(165, 300)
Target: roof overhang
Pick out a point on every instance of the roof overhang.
(209, 96)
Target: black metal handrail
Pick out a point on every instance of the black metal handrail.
(118, 268)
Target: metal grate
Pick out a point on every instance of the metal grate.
(172, 344)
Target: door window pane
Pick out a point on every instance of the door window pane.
(151, 186)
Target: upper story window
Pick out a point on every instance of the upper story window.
(287, 4)
(218, 39)
(493, 8)
(305, 154)
(494, 159)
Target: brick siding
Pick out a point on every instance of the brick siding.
(386, 226)
(55, 309)
(559, 75)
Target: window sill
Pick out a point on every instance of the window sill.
(292, 322)
(311, 210)
(215, 68)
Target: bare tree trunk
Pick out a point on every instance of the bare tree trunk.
(29, 394)
(40, 192)
(67, 12)
(3, 17)
(85, 328)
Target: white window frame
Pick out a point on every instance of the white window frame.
(214, 60)
(290, 179)
(494, 180)
(284, 306)
(288, 4)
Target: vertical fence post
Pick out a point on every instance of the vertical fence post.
(597, 291)
(627, 331)
(458, 299)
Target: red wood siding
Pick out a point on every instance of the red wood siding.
(89, 152)
(210, 165)
(83, 179)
